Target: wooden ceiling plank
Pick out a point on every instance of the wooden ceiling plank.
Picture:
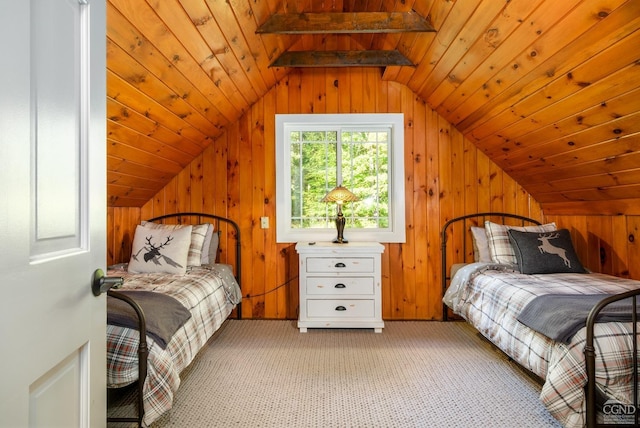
(205, 117)
(222, 66)
(575, 108)
(587, 182)
(620, 162)
(118, 178)
(569, 93)
(127, 136)
(556, 52)
(354, 23)
(616, 207)
(603, 112)
(474, 29)
(226, 20)
(133, 192)
(121, 114)
(502, 60)
(413, 45)
(340, 59)
(176, 20)
(465, 84)
(119, 201)
(150, 27)
(121, 91)
(126, 166)
(450, 18)
(142, 157)
(262, 52)
(499, 29)
(598, 194)
(589, 151)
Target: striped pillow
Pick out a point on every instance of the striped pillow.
(198, 233)
(499, 244)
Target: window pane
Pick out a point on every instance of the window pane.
(315, 157)
(365, 171)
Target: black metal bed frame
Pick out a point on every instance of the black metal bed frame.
(466, 224)
(589, 349)
(590, 361)
(143, 351)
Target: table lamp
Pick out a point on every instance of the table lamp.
(340, 195)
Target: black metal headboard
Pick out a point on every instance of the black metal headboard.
(197, 218)
(461, 227)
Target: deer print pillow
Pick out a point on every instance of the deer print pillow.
(545, 252)
(199, 234)
(160, 250)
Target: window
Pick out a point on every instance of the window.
(362, 152)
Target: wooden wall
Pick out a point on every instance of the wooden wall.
(446, 176)
(605, 243)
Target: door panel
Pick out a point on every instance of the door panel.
(67, 379)
(58, 92)
(53, 212)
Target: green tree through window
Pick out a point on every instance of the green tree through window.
(321, 160)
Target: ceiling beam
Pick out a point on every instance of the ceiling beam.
(372, 58)
(349, 22)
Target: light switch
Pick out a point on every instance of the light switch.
(264, 222)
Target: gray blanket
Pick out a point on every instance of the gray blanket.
(163, 314)
(559, 317)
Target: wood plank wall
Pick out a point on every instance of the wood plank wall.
(605, 243)
(446, 176)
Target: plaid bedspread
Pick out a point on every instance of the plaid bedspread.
(210, 293)
(491, 297)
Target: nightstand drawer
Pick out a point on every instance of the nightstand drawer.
(340, 264)
(340, 308)
(340, 286)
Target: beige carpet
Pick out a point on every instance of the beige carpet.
(257, 373)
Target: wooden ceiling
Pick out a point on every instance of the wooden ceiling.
(548, 89)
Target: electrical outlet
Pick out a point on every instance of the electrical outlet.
(264, 222)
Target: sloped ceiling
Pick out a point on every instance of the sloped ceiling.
(548, 89)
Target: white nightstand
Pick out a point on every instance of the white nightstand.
(340, 285)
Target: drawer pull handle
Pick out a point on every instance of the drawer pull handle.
(340, 308)
(340, 265)
(340, 286)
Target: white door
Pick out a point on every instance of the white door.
(52, 212)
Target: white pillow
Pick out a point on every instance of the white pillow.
(160, 250)
(204, 257)
(213, 247)
(499, 243)
(198, 234)
(481, 252)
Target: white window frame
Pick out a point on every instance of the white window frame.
(396, 231)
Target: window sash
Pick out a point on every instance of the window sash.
(336, 138)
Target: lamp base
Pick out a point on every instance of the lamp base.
(340, 221)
